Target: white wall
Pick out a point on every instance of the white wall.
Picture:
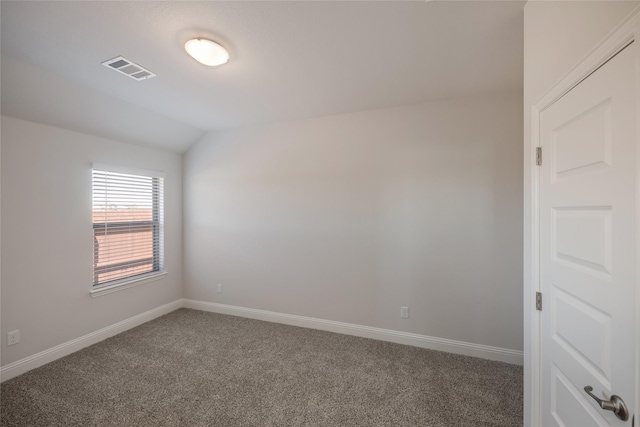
(557, 35)
(47, 245)
(349, 217)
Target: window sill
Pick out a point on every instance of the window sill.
(130, 283)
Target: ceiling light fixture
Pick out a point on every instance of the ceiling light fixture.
(207, 52)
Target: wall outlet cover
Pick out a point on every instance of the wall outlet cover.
(404, 312)
(13, 337)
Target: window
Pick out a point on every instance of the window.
(128, 219)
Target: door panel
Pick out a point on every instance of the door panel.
(587, 247)
(569, 408)
(570, 318)
(581, 238)
(584, 143)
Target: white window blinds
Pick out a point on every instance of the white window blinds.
(128, 232)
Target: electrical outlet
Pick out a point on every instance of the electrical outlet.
(13, 337)
(404, 312)
(219, 289)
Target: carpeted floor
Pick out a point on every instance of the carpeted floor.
(192, 368)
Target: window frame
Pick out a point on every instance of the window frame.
(158, 271)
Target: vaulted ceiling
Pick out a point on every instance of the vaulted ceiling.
(289, 60)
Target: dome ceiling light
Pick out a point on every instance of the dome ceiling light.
(207, 52)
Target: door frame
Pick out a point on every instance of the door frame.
(628, 31)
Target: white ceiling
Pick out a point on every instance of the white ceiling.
(289, 60)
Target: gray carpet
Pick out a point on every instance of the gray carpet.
(192, 368)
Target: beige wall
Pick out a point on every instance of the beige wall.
(557, 35)
(349, 217)
(47, 245)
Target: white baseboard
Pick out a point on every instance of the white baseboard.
(31, 362)
(416, 340)
(433, 343)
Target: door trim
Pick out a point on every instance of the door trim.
(627, 32)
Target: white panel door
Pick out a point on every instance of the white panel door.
(588, 255)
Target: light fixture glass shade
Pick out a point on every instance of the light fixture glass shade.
(207, 52)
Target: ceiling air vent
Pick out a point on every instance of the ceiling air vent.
(128, 68)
